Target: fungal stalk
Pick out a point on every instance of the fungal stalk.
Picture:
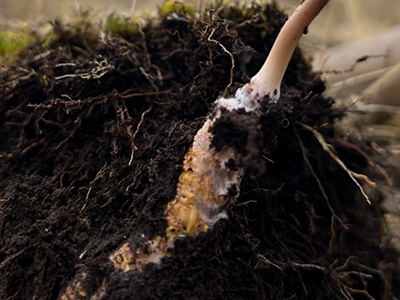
(267, 82)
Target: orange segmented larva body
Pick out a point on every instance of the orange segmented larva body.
(202, 187)
(125, 259)
(74, 291)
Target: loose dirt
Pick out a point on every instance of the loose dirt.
(93, 138)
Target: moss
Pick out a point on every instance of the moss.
(51, 39)
(173, 6)
(81, 32)
(119, 25)
(11, 43)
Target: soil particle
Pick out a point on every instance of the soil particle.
(93, 141)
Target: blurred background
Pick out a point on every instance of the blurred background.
(343, 21)
(347, 20)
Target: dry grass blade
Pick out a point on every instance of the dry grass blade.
(390, 135)
(341, 57)
(385, 90)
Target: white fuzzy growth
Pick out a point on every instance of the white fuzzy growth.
(156, 250)
(262, 85)
(245, 98)
(212, 165)
(211, 219)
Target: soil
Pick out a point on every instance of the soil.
(93, 138)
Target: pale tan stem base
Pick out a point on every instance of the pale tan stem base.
(268, 80)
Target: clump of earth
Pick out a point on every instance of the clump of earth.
(93, 135)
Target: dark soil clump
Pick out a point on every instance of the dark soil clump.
(93, 139)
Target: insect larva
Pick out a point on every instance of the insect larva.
(202, 189)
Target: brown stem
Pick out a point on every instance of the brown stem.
(268, 80)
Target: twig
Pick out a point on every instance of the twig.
(65, 65)
(38, 56)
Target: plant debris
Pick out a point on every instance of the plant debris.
(94, 133)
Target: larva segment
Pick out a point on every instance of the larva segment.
(74, 292)
(202, 189)
(126, 259)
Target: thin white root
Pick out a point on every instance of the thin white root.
(352, 174)
(135, 133)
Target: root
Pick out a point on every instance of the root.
(318, 181)
(352, 174)
(354, 268)
(143, 94)
(30, 147)
(135, 133)
(376, 167)
(101, 68)
(232, 60)
(71, 134)
(11, 257)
